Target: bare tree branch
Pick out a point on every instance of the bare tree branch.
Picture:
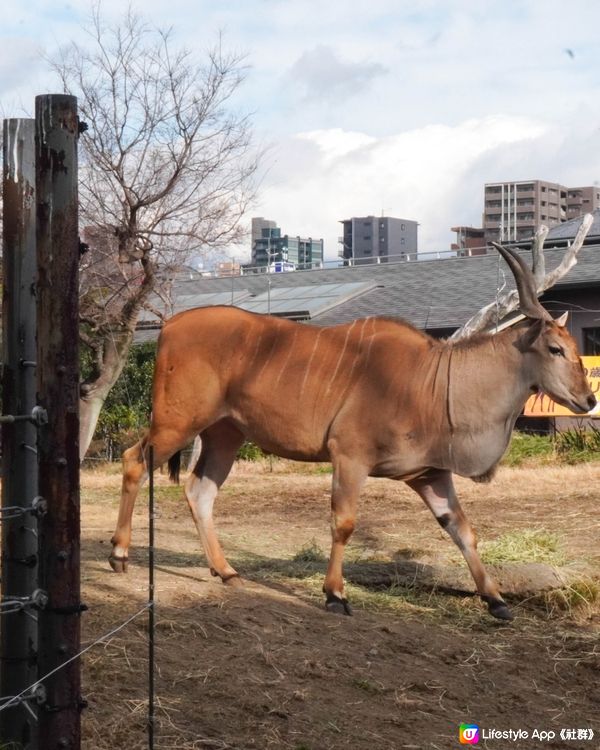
(489, 316)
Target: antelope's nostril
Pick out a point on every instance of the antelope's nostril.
(591, 402)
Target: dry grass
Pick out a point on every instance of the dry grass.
(266, 667)
(524, 545)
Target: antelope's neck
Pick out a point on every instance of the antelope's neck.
(487, 386)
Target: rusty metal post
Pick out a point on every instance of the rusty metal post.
(58, 392)
(18, 639)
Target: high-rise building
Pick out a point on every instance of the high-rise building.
(270, 246)
(377, 239)
(258, 224)
(514, 210)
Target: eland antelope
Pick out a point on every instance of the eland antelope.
(375, 397)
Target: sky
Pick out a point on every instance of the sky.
(373, 107)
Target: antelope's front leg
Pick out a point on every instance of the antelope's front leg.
(437, 490)
(348, 480)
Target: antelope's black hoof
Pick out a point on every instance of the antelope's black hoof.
(499, 609)
(338, 606)
(118, 564)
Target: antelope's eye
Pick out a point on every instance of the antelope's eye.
(557, 351)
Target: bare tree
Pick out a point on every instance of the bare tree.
(167, 171)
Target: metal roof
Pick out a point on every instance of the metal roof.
(305, 302)
(181, 302)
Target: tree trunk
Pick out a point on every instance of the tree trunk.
(94, 393)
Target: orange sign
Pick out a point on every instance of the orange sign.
(541, 405)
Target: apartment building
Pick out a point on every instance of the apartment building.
(377, 239)
(582, 200)
(270, 246)
(514, 210)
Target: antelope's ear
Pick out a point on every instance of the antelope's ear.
(531, 335)
(562, 321)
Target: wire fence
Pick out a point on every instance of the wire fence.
(32, 692)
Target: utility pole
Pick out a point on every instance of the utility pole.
(18, 641)
(57, 130)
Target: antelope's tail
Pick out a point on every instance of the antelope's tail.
(174, 464)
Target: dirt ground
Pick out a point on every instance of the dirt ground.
(264, 666)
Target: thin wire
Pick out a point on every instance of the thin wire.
(148, 461)
(15, 699)
(12, 511)
(151, 610)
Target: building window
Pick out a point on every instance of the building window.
(402, 242)
(591, 341)
(367, 237)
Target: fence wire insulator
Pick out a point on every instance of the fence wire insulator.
(38, 416)
(37, 600)
(12, 511)
(38, 508)
(36, 694)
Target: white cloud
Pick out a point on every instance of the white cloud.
(421, 174)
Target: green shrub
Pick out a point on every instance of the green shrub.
(569, 447)
(250, 452)
(126, 411)
(526, 448)
(579, 444)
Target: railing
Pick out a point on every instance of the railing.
(287, 267)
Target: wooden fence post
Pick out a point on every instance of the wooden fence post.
(18, 641)
(58, 388)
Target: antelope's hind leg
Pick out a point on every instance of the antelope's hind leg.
(437, 490)
(220, 444)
